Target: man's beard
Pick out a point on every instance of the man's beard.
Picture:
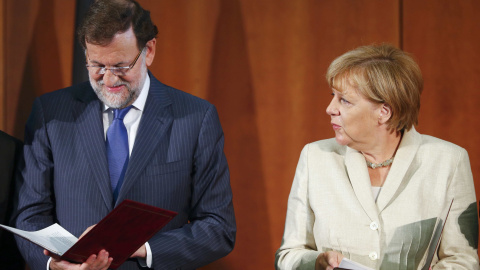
(118, 100)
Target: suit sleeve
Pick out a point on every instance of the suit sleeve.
(35, 203)
(298, 249)
(210, 233)
(459, 243)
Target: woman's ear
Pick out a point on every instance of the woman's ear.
(385, 113)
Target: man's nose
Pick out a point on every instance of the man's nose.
(109, 78)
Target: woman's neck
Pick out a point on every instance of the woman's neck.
(384, 147)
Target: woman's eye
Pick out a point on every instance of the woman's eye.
(344, 101)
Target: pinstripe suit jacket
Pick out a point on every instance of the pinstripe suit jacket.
(177, 163)
(331, 207)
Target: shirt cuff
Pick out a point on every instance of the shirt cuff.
(147, 262)
(48, 263)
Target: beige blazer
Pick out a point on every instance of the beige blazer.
(331, 207)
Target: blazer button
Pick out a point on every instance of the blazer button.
(373, 256)
(373, 226)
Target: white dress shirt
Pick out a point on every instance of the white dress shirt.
(376, 192)
(132, 118)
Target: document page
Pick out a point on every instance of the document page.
(351, 265)
(437, 233)
(53, 238)
(429, 253)
(121, 233)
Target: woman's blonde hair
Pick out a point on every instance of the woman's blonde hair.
(382, 74)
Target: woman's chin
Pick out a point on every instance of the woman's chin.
(342, 140)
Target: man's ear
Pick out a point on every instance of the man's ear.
(150, 54)
(385, 113)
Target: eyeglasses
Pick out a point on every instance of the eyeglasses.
(117, 71)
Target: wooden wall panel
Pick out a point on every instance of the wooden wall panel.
(185, 42)
(2, 66)
(230, 89)
(38, 53)
(443, 37)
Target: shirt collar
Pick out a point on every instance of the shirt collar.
(139, 103)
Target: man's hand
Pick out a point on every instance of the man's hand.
(328, 260)
(140, 253)
(101, 261)
(87, 230)
(94, 262)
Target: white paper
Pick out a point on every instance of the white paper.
(349, 264)
(53, 238)
(432, 247)
(436, 235)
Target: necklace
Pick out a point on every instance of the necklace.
(379, 165)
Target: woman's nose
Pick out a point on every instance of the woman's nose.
(332, 107)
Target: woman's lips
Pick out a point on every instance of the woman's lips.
(335, 127)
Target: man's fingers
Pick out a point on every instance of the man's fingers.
(50, 254)
(91, 260)
(86, 231)
(109, 262)
(100, 261)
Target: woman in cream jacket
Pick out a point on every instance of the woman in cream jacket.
(374, 193)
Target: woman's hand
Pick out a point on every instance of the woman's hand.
(328, 260)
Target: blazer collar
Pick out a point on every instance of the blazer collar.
(154, 128)
(156, 121)
(87, 113)
(360, 179)
(396, 181)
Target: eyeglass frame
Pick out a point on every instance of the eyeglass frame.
(103, 70)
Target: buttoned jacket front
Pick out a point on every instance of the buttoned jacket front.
(331, 207)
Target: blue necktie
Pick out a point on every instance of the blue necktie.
(117, 150)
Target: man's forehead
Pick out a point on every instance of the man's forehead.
(125, 39)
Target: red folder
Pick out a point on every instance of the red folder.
(121, 232)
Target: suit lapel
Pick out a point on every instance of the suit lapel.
(360, 180)
(89, 124)
(156, 122)
(403, 159)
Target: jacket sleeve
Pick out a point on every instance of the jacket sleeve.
(298, 249)
(210, 233)
(459, 243)
(35, 208)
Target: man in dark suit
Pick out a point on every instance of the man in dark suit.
(167, 147)
(10, 160)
